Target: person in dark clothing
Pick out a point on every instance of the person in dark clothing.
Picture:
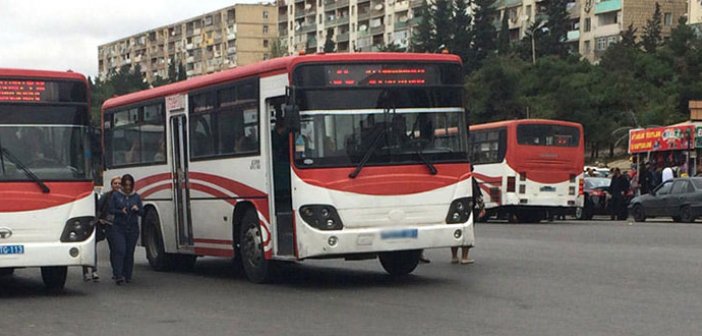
(646, 179)
(618, 187)
(103, 220)
(126, 207)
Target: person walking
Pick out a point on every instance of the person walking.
(478, 212)
(126, 207)
(103, 220)
(618, 187)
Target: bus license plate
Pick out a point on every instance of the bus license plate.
(11, 249)
(548, 189)
(400, 234)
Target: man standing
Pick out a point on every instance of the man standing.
(618, 187)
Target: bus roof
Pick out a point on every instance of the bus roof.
(41, 74)
(507, 123)
(270, 67)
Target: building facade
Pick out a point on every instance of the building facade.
(237, 35)
(525, 15)
(352, 25)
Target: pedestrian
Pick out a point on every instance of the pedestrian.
(646, 178)
(618, 187)
(478, 212)
(122, 235)
(103, 220)
(667, 174)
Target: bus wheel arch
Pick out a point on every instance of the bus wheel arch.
(248, 239)
(152, 239)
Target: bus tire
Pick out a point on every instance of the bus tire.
(400, 263)
(159, 260)
(256, 268)
(185, 262)
(6, 271)
(54, 277)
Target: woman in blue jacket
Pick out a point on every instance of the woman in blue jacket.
(122, 235)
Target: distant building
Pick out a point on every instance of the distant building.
(236, 35)
(596, 24)
(354, 25)
(694, 14)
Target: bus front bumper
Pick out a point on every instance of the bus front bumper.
(346, 242)
(50, 254)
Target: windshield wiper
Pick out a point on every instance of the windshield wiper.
(6, 153)
(418, 150)
(373, 147)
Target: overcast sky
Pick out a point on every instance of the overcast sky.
(65, 34)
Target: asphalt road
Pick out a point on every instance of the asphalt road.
(562, 278)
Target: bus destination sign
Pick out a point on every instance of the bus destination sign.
(377, 75)
(21, 90)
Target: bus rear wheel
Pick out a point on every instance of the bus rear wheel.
(253, 260)
(159, 260)
(400, 262)
(54, 277)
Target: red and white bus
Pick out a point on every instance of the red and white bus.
(317, 156)
(528, 169)
(47, 203)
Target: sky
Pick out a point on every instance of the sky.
(65, 34)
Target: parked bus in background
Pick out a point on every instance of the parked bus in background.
(528, 169)
(317, 156)
(47, 203)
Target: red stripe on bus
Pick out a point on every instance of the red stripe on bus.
(149, 180)
(238, 188)
(27, 196)
(148, 192)
(213, 252)
(386, 180)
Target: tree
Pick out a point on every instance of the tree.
(484, 33)
(628, 37)
(503, 40)
(277, 49)
(392, 47)
(172, 70)
(182, 73)
(442, 15)
(423, 34)
(682, 38)
(329, 45)
(461, 40)
(652, 31)
(556, 29)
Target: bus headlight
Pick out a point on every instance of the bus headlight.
(460, 210)
(77, 229)
(322, 217)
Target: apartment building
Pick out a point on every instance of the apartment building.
(236, 35)
(603, 21)
(524, 15)
(353, 25)
(694, 14)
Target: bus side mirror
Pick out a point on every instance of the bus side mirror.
(292, 115)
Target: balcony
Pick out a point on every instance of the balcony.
(283, 17)
(342, 37)
(416, 3)
(377, 30)
(364, 15)
(399, 25)
(573, 35)
(606, 6)
(311, 43)
(507, 3)
(308, 28)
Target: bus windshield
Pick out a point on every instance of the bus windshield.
(50, 145)
(401, 114)
(548, 135)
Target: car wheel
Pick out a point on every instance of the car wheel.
(638, 213)
(686, 214)
(580, 213)
(677, 219)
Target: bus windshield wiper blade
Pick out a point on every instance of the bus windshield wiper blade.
(432, 168)
(373, 147)
(6, 153)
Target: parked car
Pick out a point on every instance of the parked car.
(599, 172)
(679, 198)
(595, 198)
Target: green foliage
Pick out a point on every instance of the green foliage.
(121, 82)
(503, 41)
(652, 31)
(329, 45)
(392, 47)
(484, 33)
(557, 25)
(423, 35)
(277, 49)
(461, 38)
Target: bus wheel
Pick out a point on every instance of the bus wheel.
(54, 277)
(6, 271)
(185, 262)
(256, 267)
(153, 241)
(400, 262)
(580, 213)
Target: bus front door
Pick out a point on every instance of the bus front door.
(280, 153)
(181, 191)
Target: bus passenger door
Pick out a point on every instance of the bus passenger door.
(181, 191)
(280, 179)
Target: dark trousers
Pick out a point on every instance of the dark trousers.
(618, 207)
(122, 245)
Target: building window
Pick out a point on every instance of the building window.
(265, 43)
(265, 14)
(265, 29)
(668, 19)
(266, 56)
(588, 47)
(601, 43)
(588, 25)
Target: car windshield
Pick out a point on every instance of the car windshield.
(51, 152)
(596, 182)
(697, 182)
